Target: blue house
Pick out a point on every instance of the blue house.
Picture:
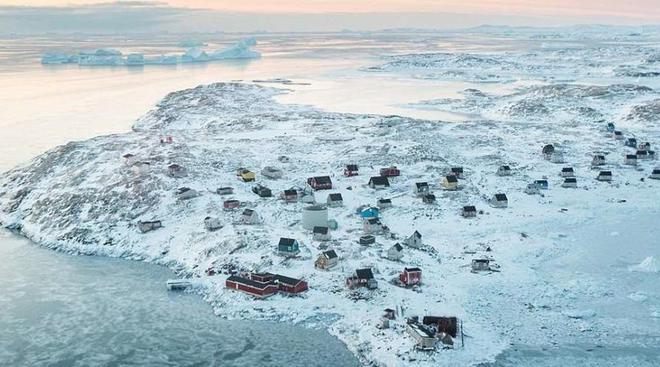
(370, 212)
(610, 127)
(288, 247)
(541, 184)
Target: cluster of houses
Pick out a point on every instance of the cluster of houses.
(433, 331)
(262, 285)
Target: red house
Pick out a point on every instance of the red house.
(231, 204)
(351, 170)
(251, 287)
(290, 286)
(390, 172)
(411, 276)
(280, 283)
(320, 182)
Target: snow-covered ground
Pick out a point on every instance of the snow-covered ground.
(82, 198)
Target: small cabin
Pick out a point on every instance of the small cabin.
(372, 225)
(288, 247)
(480, 265)
(542, 184)
(391, 171)
(428, 199)
(289, 286)
(272, 172)
(335, 200)
(129, 159)
(379, 182)
(290, 196)
(645, 154)
(424, 339)
(212, 224)
(499, 201)
(351, 170)
(370, 212)
(262, 191)
(231, 204)
(567, 172)
(598, 160)
(225, 190)
(655, 174)
(532, 189)
(618, 135)
(630, 159)
(141, 167)
(569, 183)
(176, 171)
(327, 260)
(631, 142)
(250, 216)
(395, 252)
(469, 211)
(185, 193)
(362, 278)
(644, 146)
(415, 240)
(610, 127)
(320, 233)
(422, 188)
(605, 176)
(367, 240)
(389, 314)
(456, 171)
(384, 203)
(450, 182)
(251, 287)
(547, 151)
(245, 175)
(320, 183)
(504, 171)
(148, 226)
(442, 325)
(411, 277)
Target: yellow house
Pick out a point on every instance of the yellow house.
(245, 175)
(450, 182)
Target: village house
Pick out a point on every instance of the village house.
(411, 277)
(389, 314)
(379, 182)
(335, 200)
(369, 212)
(630, 159)
(351, 170)
(456, 171)
(547, 151)
(541, 184)
(148, 226)
(392, 171)
(185, 193)
(176, 171)
(450, 182)
(231, 204)
(567, 172)
(421, 188)
(320, 233)
(469, 211)
(262, 285)
(327, 260)
(428, 199)
(618, 135)
(610, 127)
(644, 146)
(480, 265)
(444, 328)
(645, 154)
(362, 278)
(225, 190)
(499, 201)
(532, 189)
(415, 240)
(272, 172)
(129, 159)
(395, 253)
(605, 176)
(320, 183)
(569, 183)
(250, 216)
(631, 142)
(424, 339)
(290, 196)
(367, 240)
(384, 203)
(251, 287)
(262, 191)
(166, 139)
(245, 175)
(141, 167)
(288, 247)
(212, 224)
(290, 286)
(372, 225)
(598, 160)
(655, 174)
(504, 171)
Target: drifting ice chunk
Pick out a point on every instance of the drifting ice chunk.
(648, 265)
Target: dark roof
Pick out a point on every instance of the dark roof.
(469, 208)
(541, 181)
(457, 169)
(287, 280)
(548, 148)
(352, 167)
(417, 234)
(599, 156)
(250, 282)
(322, 179)
(631, 156)
(605, 173)
(379, 180)
(571, 180)
(567, 169)
(364, 273)
(290, 192)
(373, 221)
(451, 178)
(481, 260)
(286, 241)
(330, 254)
(398, 247)
(181, 190)
(429, 197)
(506, 168)
(421, 184)
(174, 166)
(618, 132)
(412, 269)
(501, 197)
(246, 211)
(321, 230)
(385, 201)
(335, 197)
(656, 171)
(642, 152)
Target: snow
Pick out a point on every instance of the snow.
(194, 54)
(648, 265)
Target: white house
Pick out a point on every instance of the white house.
(395, 252)
(415, 240)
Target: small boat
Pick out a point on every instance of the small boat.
(178, 284)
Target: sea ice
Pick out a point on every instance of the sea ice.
(648, 265)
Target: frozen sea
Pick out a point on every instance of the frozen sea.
(62, 310)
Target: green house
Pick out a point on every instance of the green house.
(288, 247)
